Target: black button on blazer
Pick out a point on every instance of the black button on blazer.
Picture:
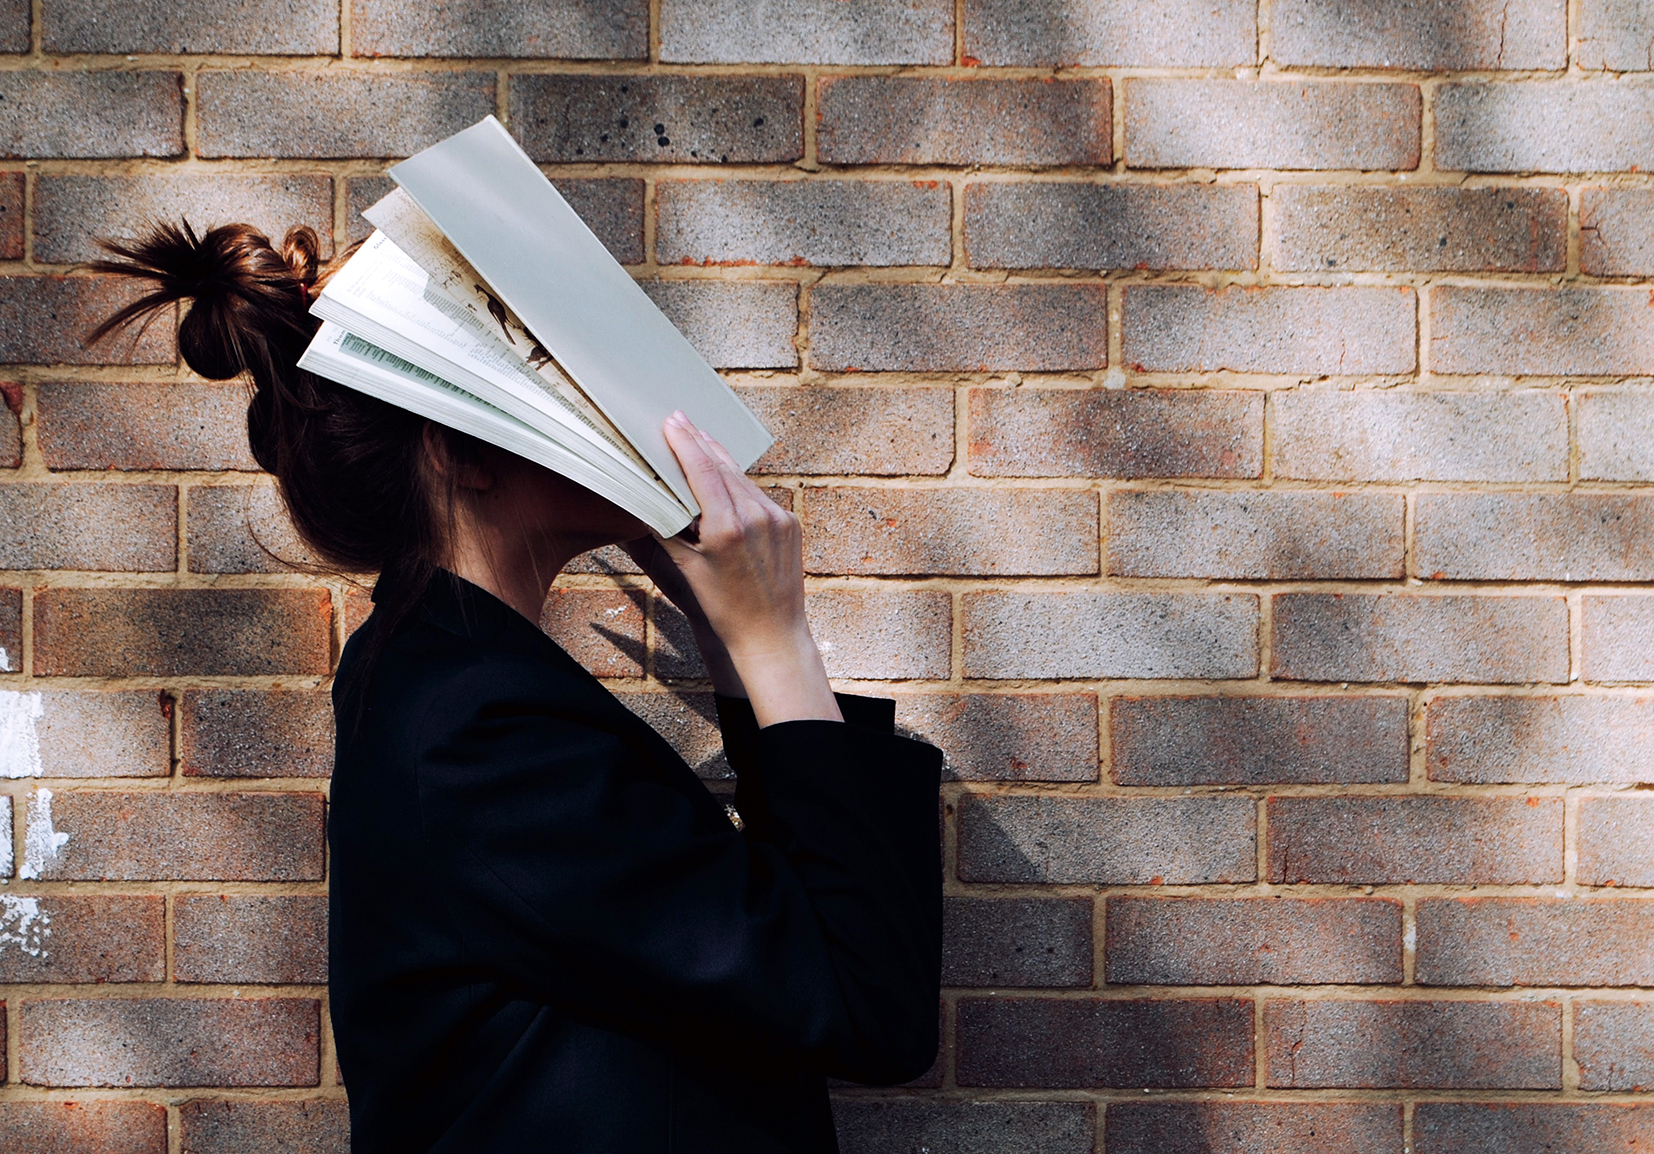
(546, 935)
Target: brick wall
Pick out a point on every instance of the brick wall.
(1226, 428)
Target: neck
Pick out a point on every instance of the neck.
(512, 568)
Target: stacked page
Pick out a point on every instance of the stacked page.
(484, 303)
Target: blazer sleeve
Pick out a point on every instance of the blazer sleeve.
(589, 877)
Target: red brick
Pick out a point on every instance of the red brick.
(958, 327)
(11, 630)
(1380, 637)
(995, 942)
(87, 115)
(733, 324)
(255, 733)
(881, 635)
(97, 425)
(1614, 1045)
(607, 561)
(171, 1042)
(1248, 1127)
(880, 431)
(1101, 226)
(950, 531)
(1618, 638)
(306, 28)
(1402, 840)
(794, 222)
(60, 1127)
(1252, 941)
(244, 938)
(1046, 1042)
(1616, 841)
(600, 628)
(689, 721)
(82, 939)
(243, 529)
(875, 1126)
(1111, 635)
(1108, 841)
(1615, 227)
(1420, 229)
(1153, 33)
(1616, 436)
(97, 734)
(305, 1127)
(1535, 942)
(1273, 536)
(45, 320)
(11, 216)
(334, 114)
(182, 836)
(1321, 331)
(1416, 1045)
(1535, 536)
(1529, 1127)
(1379, 435)
(1455, 36)
(1544, 126)
(1007, 737)
(1549, 331)
(1258, 740)
(126, 528)
(591, 118)
(1572, 739)
(582, 31)
(172, 632)
(1271, 124)
(807, 31)
(920, 120)
(72, 211)
(1111, 433)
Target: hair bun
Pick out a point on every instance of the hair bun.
(301, 248)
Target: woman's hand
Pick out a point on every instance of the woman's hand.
(744, 574)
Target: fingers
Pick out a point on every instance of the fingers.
(735, 478)
(704, 471)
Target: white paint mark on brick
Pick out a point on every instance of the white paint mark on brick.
(5, 660)
(19, 740)
(25, 925)
(5, 841)
(41, 842)
(1410, 937)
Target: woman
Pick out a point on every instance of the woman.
(546, 934)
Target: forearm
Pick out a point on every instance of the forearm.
(785, 679)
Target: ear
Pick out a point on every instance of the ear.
(474, 475)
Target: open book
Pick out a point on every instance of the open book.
(483, 302)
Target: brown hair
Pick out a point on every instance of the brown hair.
(354, 472)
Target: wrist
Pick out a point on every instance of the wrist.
(786, 680)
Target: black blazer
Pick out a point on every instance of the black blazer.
(548, 936)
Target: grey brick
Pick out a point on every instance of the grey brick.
(1383, 637)
(1529, 1127)
(1616, 841)
(1263, 535)
(1551, 331)
(129, 528)
(1535, 942)
(1545, 126)
(274, 940)
(1436, 35)
(565, 29)
(1616, 35)
(689, 721)
(1111, 635)
(1415, 840)
(958, 327)
(1370, 435)
(919, 120)
(1007, 737)
(733, 324)
(1027, 432)
(1420, 229)
(14, 25)
(1573, 739)
(823, 222)
(1321, 331)
(1303, 124)
(1152, 33)
(883, 634)
(1107, 840)
(1258, 740)
(1616, 231)
(255, 733)
(45, 320)
(1614, 1045)
(98, 734)
(11, 216)
(1118, 226)
(807, 32)
(1535, 536)
(1618, 638)
(119, 425)
(879, 1126)
(73, 115)
(591, 118)
(302, 27)
(310, 114)
(880, 431)
(1247, 1127)
(993, 942)
(363, 192)
(243, 529)
(317, 1126)
(71, 211)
